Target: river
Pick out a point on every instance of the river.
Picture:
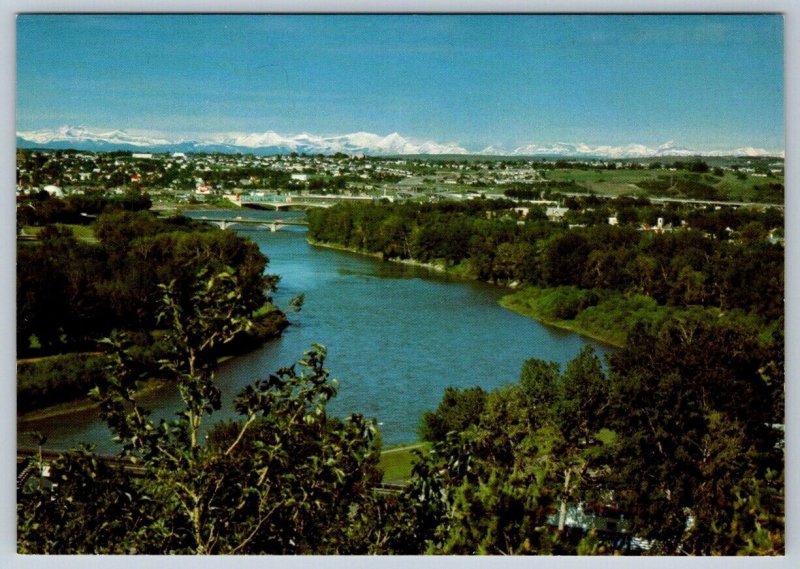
(396, 336)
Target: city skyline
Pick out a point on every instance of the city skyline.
(709, 83)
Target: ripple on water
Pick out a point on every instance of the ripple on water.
(396, 336)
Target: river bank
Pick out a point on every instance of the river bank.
(147, 387)
(437, 267)
(517, 301)
(609, 316)
(268, 325)
(461, 271)
(396, 336)
(600, 315)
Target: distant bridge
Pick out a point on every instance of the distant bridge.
(278, 202)
(271, 224)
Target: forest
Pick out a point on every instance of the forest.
(724, 260)
(673, 446)
(71, 293)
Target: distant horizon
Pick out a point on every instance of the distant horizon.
(394, 143)
(709, 82)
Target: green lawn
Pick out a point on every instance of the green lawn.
(81, 232)
(396, 462)
(624, 182)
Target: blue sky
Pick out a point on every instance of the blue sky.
(703, 81)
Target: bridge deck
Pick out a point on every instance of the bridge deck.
(254, 221)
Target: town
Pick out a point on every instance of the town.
(566, 189)
(401, 284)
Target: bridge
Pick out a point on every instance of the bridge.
(272, 224)
(278, 202)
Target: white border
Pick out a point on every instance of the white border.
(8, 557)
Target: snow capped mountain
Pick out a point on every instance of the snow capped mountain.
(747, 151)
(354, 143)
(603, 151)
(270, 142)
(493, 150)
(670, 148)
(78, 134)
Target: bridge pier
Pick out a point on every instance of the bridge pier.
(272, 225)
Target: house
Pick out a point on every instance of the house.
(556, 213)
(201, 188)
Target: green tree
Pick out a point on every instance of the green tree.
(285, 479)
(503, 484)
(698, 408)
(570, 410)
(459, 409)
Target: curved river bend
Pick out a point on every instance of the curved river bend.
(396, 336)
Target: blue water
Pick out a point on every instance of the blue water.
(396, 336)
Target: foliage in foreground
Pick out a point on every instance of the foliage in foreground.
(677, 443)
(285, 479)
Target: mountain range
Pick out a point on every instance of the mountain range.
(357, 143)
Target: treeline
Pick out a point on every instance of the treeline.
(676, 447)
(71, 293)
(48, 381)
(693, 187)
(79, 209)
(542, 190)
(261, 175)
(742, 270)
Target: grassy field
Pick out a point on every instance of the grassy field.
(81, 232)
(625, 182)
(397, 462)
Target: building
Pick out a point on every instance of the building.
(54, 191)
(556, 213)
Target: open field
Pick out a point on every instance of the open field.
(397, 462)
(673, 183)
(81, 232)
